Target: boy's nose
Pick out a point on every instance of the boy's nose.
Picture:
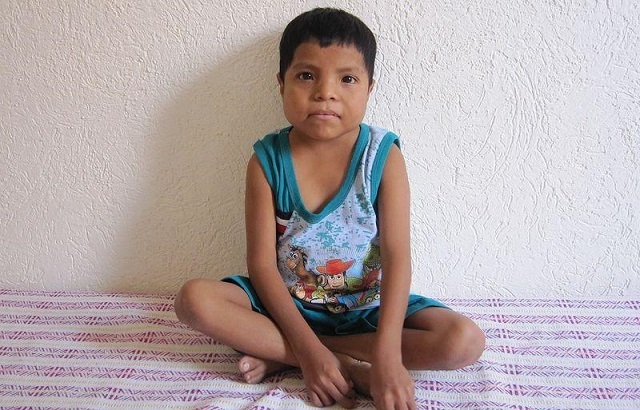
(324, 91)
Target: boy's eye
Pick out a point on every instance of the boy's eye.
(349, 79)
(305, 76)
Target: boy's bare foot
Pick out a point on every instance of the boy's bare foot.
(358, 371)
(254, 370)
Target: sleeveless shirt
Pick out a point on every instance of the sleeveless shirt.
(331, 259)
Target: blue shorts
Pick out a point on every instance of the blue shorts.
(323, 322)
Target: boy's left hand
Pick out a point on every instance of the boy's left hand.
(391, 386)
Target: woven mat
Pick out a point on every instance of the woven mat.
(89, 350)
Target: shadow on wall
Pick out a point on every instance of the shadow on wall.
(190, 222)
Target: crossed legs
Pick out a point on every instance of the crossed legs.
(433, 338)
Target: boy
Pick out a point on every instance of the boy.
(328, 246)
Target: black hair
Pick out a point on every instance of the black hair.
(327, 26)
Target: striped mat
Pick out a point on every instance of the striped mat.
(121, 351)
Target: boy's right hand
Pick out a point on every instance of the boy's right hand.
(325, 381)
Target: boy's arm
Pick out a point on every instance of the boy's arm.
(391, 384)
(321, 369)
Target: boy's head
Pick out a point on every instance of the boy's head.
(327, 26)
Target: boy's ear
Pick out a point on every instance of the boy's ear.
(280, 83)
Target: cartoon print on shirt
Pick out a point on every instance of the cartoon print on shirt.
(334, 274)
(296, 262)
(372, 265)
(334, 304)
(334, 278)
(307, 293)
(369, 285)
(339, 303)
(330, 284)
(306, 287)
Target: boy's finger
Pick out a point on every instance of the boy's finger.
(344, 397)
(328, 398)
(346, 388)
(346, 402)
(345, 385)
(314, 400)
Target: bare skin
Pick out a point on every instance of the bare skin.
(254, 369)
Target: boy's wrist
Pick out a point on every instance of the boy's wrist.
(303, 341)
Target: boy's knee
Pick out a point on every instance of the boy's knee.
(467, 343)
(189, 300)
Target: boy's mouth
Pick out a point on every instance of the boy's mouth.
(328, 114)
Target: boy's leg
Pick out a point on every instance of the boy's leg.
(441, 339)
(433, 339)
(223, 311)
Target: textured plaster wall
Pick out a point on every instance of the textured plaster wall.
(125, 127)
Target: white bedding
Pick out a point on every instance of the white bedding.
(88, 350)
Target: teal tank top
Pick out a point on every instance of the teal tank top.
(331, 259)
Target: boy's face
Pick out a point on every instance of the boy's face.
(325, 91)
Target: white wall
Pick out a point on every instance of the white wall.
(125, 127)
